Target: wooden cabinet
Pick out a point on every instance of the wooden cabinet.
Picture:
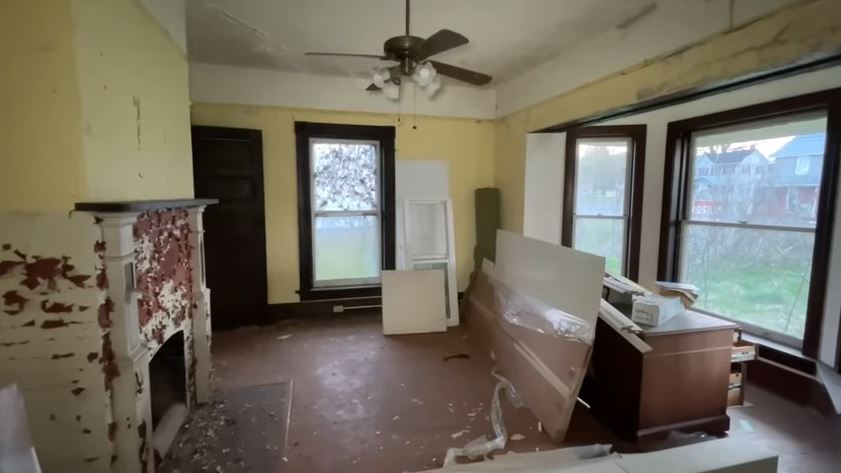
(681, 384)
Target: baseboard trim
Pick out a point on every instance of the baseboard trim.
(322, 308)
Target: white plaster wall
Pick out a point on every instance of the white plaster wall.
(172, 17)
(544, 192)
(673, 24)
(657, 122)
(237, 85)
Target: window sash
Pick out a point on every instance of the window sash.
(626, 199)
(374, 212)
(749, 327)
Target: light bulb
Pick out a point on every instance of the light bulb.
(424, 74)
(380, 76)
(391, 91)
(433, 87)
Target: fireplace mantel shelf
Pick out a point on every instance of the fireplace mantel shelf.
(142, 205)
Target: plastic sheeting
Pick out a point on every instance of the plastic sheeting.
(540, 349)
(526, 311)
(475, 450)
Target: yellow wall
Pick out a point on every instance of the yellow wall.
(135, 104)
(802, 32)
(467, 145)
(40, 111)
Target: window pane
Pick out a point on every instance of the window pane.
(765, 173)
(603, 237)
(346, 248)
(427, 225)
(600, 176)
(757, 276)
(344, 175)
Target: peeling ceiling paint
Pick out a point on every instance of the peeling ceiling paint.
(507, 37)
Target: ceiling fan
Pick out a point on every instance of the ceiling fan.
(412, 51)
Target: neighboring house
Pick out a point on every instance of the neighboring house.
(791, 188)
(727, 177)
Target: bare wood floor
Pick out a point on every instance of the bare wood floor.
(363, 402)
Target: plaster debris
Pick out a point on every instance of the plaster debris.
(517, 437)
(417, 401)
(457, 356)
(459, 433)
(284, 337)
(395, 417)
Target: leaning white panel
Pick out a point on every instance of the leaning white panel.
(429, 244)
(564, 278)
(413, 302)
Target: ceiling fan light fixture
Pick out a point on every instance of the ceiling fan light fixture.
(391, 91)
(380, 77)
(433, 87)
(424, 74)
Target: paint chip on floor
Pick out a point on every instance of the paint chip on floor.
(459, 433)
(395, 417)
(517, 437)
(284, 337)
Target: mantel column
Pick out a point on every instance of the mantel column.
(203, 371)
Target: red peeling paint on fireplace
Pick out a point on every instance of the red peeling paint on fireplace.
(163, 272)
(105, 311)
(108, 360)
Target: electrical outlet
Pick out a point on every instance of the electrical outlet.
(338, 309)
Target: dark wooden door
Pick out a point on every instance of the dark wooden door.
(228, 165)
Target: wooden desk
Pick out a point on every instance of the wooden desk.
(680, 385)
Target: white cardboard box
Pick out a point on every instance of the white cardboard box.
(654, 310)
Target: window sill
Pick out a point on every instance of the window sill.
(782, 354)
(341, 292)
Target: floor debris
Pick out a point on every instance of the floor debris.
(459, 433)
(517, 437)
(459, 356)
(221, 435)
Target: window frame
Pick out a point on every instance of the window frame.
(635, 171)
(305, 134)
(677, 178)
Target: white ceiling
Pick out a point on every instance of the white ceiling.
(507, 37)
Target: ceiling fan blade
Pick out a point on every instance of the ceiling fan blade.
(372, 88)
(464, 75)
(441, 41)
(372, 56)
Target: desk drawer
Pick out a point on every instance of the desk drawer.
(743, 351)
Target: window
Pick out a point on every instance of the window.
(802, 166)
(753, 242)
(346, 208)
(603, 194)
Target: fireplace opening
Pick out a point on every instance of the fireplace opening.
(168, 392)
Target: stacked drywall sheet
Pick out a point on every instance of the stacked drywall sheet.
(414, 301)
(17, 453)
(730, 455)
(536, 312)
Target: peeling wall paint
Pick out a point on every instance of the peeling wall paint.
(66, 315)
(50, 341)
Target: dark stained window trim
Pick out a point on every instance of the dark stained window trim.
(385, 135)
(677, 174)
(636, 168)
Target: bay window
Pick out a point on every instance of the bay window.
(747, 214)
